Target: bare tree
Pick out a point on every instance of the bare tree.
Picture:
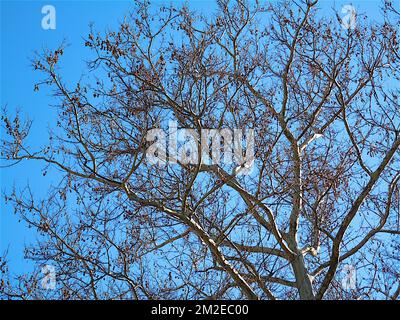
(324, 195)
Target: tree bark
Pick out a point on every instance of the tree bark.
(303, 280)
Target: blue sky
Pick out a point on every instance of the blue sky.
(21, 35)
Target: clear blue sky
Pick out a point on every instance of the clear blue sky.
(21, 35)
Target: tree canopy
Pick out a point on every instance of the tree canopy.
(322, 198)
